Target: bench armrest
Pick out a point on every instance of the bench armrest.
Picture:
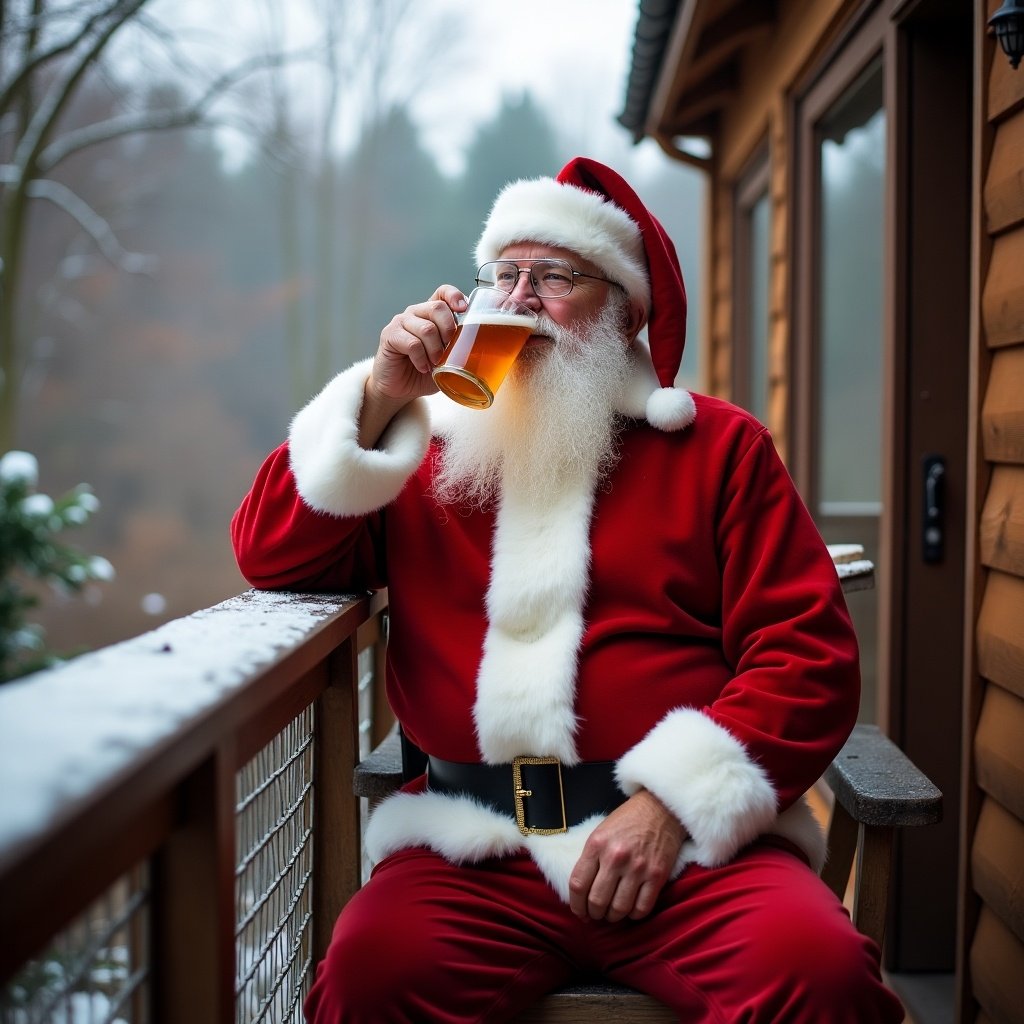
(877, 789)
(877, 784)
(379, 774)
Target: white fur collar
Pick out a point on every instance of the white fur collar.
(540, 569)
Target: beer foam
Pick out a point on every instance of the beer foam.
(498, 318)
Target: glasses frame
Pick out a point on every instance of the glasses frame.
(533, 282)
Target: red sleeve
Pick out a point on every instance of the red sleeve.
(796, 690)
(281, 543)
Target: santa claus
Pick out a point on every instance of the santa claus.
(615, 634)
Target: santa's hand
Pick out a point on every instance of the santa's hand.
(411, 345)
(626, 861)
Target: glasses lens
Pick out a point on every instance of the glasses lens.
(498, 275)
(552, 278)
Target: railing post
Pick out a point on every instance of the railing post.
(374, 633)
(337, 871)
(194, 901)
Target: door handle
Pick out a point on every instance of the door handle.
(933, 532)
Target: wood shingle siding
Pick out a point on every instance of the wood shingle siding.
(998, 982)
(997, 867)
(996, 947)
(1002, 521)
(1003, 298)
(1000, 759)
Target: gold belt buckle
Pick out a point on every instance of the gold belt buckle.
(519, 794)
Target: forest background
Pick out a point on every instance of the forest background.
(299, 188)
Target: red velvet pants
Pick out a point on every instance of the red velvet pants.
(761, 939)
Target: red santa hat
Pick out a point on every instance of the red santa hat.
(593, 211)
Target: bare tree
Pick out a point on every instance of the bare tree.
(47, 48)
(374, 56)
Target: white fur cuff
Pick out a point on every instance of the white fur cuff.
(703, 774)
(332, 472)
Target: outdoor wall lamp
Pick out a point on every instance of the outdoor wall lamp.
(1008, 25)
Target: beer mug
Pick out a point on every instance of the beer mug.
(490, 335)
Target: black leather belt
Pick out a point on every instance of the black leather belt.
(542, 794)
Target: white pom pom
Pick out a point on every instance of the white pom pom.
(670, 409)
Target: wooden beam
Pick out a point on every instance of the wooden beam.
(723, 38)
(708, 97)
(679, 54)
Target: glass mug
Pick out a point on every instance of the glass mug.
(490, 335)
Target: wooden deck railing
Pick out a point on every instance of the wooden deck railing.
(195, 784)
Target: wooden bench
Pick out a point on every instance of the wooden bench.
(874, 789)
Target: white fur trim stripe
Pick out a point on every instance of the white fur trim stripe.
(332, 472)
(526, 683)
(526, 694)
(557, 855)
(463, 831)
(703, 774)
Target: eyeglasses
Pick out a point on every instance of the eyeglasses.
(551, 279)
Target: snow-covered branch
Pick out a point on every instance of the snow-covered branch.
(94, 225)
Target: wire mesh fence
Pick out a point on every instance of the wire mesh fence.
(273, 877)
(96, 971)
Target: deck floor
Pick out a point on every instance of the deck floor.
(928, 998)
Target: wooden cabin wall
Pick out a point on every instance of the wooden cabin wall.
(993, 982)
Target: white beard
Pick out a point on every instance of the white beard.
(553, 421)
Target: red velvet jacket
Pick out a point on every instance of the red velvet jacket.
(710, 650)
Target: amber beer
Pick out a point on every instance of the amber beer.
(482, 352)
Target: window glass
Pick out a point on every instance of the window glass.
(852, 177)
(760, 266)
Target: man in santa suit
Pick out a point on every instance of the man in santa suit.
(615, 632)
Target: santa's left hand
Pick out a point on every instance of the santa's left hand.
(626, 861)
